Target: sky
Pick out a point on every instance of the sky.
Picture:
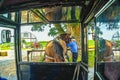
(41, 36)
(107, 34)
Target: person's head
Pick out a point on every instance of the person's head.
(73, 38)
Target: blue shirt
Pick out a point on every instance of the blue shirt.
(73, 46)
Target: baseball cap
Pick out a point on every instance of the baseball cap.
(72, 37)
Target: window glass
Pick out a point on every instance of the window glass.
(107, 36)
(7, 54)
(56, 13)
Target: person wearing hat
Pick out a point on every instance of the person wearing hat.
(73, 48)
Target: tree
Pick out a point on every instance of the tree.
(23, 42)
(59, 14)
(110, 16)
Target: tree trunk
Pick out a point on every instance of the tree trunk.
(77, 33)
(53, 13)
(74, 29)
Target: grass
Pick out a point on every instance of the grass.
(91, 58)
(91, 45)
(43, 43)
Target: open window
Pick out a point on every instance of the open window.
(107, 41)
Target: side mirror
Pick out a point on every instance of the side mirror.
(6, 36)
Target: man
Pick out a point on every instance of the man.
(73, 48)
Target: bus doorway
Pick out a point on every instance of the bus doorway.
(7, 54)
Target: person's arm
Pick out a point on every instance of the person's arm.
(68, 44)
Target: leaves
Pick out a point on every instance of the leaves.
(38, 27)
(53, 32)
(40, 14)
(111, 16)
(56, 13)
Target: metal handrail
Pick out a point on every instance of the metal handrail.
(77, 69)
(99, 76)
(84, 64)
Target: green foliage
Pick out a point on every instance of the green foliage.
(74, 24)
(69, 13)
(53, 31)
(59, 28)
(28, 44)
(40, 14)
(43, 43)
(6, 46)
(77, 13)
(38, 27)
(23, 41)
(91, 44)
(41, 58)
(118, 44)
(91, 58)
(99, 32)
